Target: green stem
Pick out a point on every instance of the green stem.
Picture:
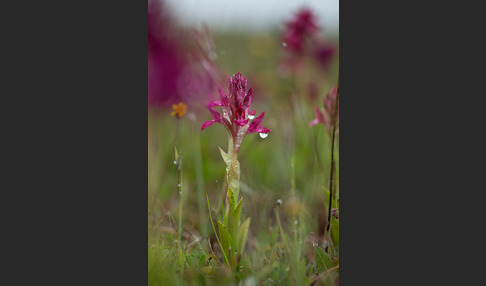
(199, 179)
(292, 178)
(334, 120)
(179, 191)
(233, 169)
(178, 161)
(284, 237)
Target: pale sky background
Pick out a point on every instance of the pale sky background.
(253, 15)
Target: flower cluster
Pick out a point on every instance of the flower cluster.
(165, 61)
(301, 40)
(298, 28)
(236, 113)
(326, 116)
(173, 75)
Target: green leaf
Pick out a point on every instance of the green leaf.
(225, 156)
(202, 260)
(223, 233)
(231, 199)
(224, 211)
(234, 225)
(323, 261)
(243, 235)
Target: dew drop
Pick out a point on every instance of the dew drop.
(179, 185)
(251, 116)
(263, 135)
(175, 163)
(180, 193)
(284, 44)
(296, 222)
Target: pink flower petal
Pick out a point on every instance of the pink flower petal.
(223, 97)
(248, 99)
(216, 115)
(206, 124)
(241, 122)
(255, 124)
(214, 103)
(319, 115)
(263, 130)
(314, 122)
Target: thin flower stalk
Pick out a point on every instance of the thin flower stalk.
(329, 117)
(179, 111)
(332, 107)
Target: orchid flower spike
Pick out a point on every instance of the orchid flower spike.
(325, 116)
(235, 116)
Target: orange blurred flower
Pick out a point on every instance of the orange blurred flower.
(179, 109)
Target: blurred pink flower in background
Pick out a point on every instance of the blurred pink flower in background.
(302, 25)
(165, 61)
(325, 116)
(301, 40)
(178, 70)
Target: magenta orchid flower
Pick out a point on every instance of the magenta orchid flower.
(325, 116)
(165, 61)
(173, 74)
(302, 25)
(236, 113)
(302, 41)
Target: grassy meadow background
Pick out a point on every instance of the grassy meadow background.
(292, 164)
